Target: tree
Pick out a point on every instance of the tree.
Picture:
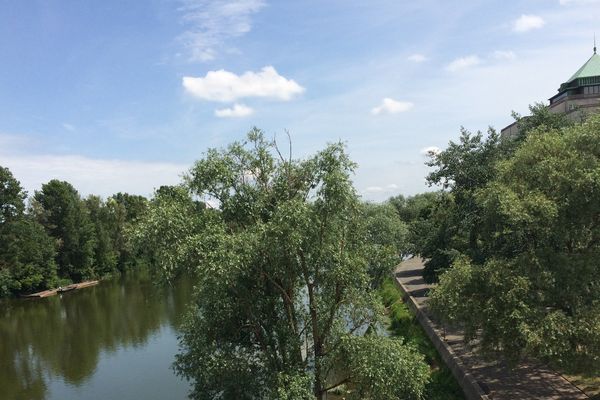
(163, 233)
(12, 196)
(388, 237)
(105, 254)
(540, 116)
(414, 207)
(26, 257)
(124, 211)
(418, 213)
(61, 211)
(461, 169)
(537, 293)
(283, 285)
(26, 252)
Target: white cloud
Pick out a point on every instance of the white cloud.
(68, 126)
(238, 110)
(528, 22)
(391, 106)
(212, 22)
(430, 151)
(226, 86)
(474, 60)
(569, 2)
(92, 176)
(418, 58)
(504, 55)
(11, 143)
(463, 63)
(381, 189)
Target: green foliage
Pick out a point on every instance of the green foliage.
(125, 210)
(384, 368)
(285, 264)
(62, 238)
(540, 117)
(389, 238)
(62, 212)
(294, 387)
(415, 207)
(461, 169)
(85, 238)
(12, 196)
(422, 213)
(26, 252)
(170, 229)
(441, 384)
(537, 291)
(105, 255)
(454, 226)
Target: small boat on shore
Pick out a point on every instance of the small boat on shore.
(62, 289)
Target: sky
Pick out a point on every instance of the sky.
(125, 95)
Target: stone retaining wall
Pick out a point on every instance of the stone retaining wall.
(466, 381)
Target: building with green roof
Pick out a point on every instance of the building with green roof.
(579, 94)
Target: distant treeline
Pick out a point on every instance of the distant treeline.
(59, 237)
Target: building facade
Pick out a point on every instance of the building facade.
(578, 96)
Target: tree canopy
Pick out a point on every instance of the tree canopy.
(285, 258)
(26, 251)
(63, 214)
(537, 289)
(60, 237)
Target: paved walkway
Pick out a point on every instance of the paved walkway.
(481, 379)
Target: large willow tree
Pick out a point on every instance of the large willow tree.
(286, 258)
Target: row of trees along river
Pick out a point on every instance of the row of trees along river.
(60, 237)
(288, 261)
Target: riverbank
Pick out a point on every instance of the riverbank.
(402, 323)
(62, 289)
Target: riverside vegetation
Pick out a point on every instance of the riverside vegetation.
(286, 269)
(60, 237)
(514, 239)
(290, 266)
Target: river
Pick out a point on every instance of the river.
(116, 340)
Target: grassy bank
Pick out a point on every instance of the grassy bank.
(442, 385)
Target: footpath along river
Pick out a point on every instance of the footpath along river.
(116, 340)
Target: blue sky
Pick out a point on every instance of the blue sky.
(125, 95)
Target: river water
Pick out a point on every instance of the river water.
(116, 340)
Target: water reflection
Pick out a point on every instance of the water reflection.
(64, 338)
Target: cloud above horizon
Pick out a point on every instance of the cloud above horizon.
(391, 106)
(417, 58)
(212, 22)
(225, 86)
(504, 55)
(462, 63)
(569, 2)
(102, 177)
(237, 111)
(526, 23)
(392, 187)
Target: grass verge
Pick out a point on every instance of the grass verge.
(402, 323)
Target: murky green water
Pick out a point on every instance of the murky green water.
(116, 340)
